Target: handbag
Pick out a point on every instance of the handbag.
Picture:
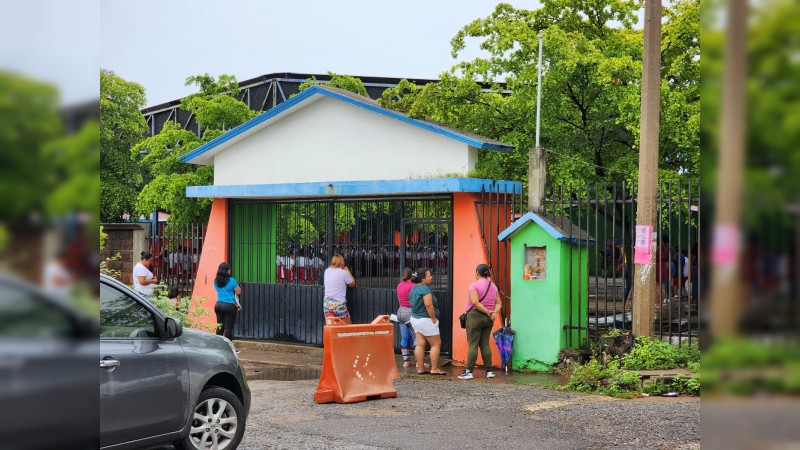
(462, 319)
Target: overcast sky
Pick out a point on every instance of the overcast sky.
(55, 41)
(159, 43)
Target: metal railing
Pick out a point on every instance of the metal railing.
(607, 212)
(177, 249)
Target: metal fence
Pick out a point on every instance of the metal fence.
(177, 249)
(279, 251)
(607, 211)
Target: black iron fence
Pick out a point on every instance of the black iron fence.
(607, 211)
(279, 251)
(176, 249)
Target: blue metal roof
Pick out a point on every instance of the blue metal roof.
(353, 99)
(573, 233)
(355, 188)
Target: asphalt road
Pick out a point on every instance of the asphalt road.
(448, 413)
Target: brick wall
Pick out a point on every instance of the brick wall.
(129, 240)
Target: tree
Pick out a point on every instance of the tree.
(346, 82)
(216, 110)
(28, 121)
(772, 165)
(73, 184)
(590, 89)
(121, 127)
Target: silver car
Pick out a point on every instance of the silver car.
(161, 383)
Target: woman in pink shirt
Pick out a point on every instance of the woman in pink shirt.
(407, 337)
(482, 307)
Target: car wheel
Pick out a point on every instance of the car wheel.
(218, 422)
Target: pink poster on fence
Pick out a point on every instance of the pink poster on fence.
(725, 245)
(643, 245)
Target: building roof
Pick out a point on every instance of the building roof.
(205, 153)
(559, 227)
(355, 188)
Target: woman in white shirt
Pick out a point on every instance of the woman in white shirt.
(143, 278)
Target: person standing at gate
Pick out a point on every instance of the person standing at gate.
(143, 278)
(424, 319)
(483, 306)
(337, 279)
(407, 337)
(226, 307)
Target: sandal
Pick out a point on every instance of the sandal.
(426, 372)
(407, 363)
(438, 373)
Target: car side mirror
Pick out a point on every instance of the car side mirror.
(172, 328)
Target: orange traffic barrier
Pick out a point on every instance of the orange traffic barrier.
(358, 363)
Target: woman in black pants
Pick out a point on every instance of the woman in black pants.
(227, 289)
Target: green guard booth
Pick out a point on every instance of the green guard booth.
(549, 283)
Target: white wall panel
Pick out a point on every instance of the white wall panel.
(329, 140)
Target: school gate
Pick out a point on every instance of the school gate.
(329, 171)
(280, 268)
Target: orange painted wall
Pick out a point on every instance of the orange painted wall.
(468, 252)
(215, 251)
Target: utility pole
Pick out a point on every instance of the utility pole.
(537, 161)
(646, 239)
(726, 254)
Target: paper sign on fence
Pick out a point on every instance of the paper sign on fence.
(643, 245)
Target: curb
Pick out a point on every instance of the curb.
(317, 352)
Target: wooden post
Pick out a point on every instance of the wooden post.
(726, 255)
(644, 278)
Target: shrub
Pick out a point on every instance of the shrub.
(687, 355)
(648, 354)
(586, 377)
(186, 310)
(657, 387)
(686, 385)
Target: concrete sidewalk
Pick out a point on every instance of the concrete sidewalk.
(254, 353)
(275, 357)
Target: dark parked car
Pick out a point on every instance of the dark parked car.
(161, 383)
(47, 354)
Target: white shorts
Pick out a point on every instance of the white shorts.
(425, 326)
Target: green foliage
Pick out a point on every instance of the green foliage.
(75, 185)
(186, 309)
(590, 91)
(745, 366)
(103, 238)
(29, 120)
(614, 332)
(680, 384)
(105, 268)
(649, 354)
(345, 82)
(586, 377)
(686, 385)
(657, 387)
(215, 107)
(608, 380)
(4, 235)
(216, 110)
(772, 165)
(121, 127)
